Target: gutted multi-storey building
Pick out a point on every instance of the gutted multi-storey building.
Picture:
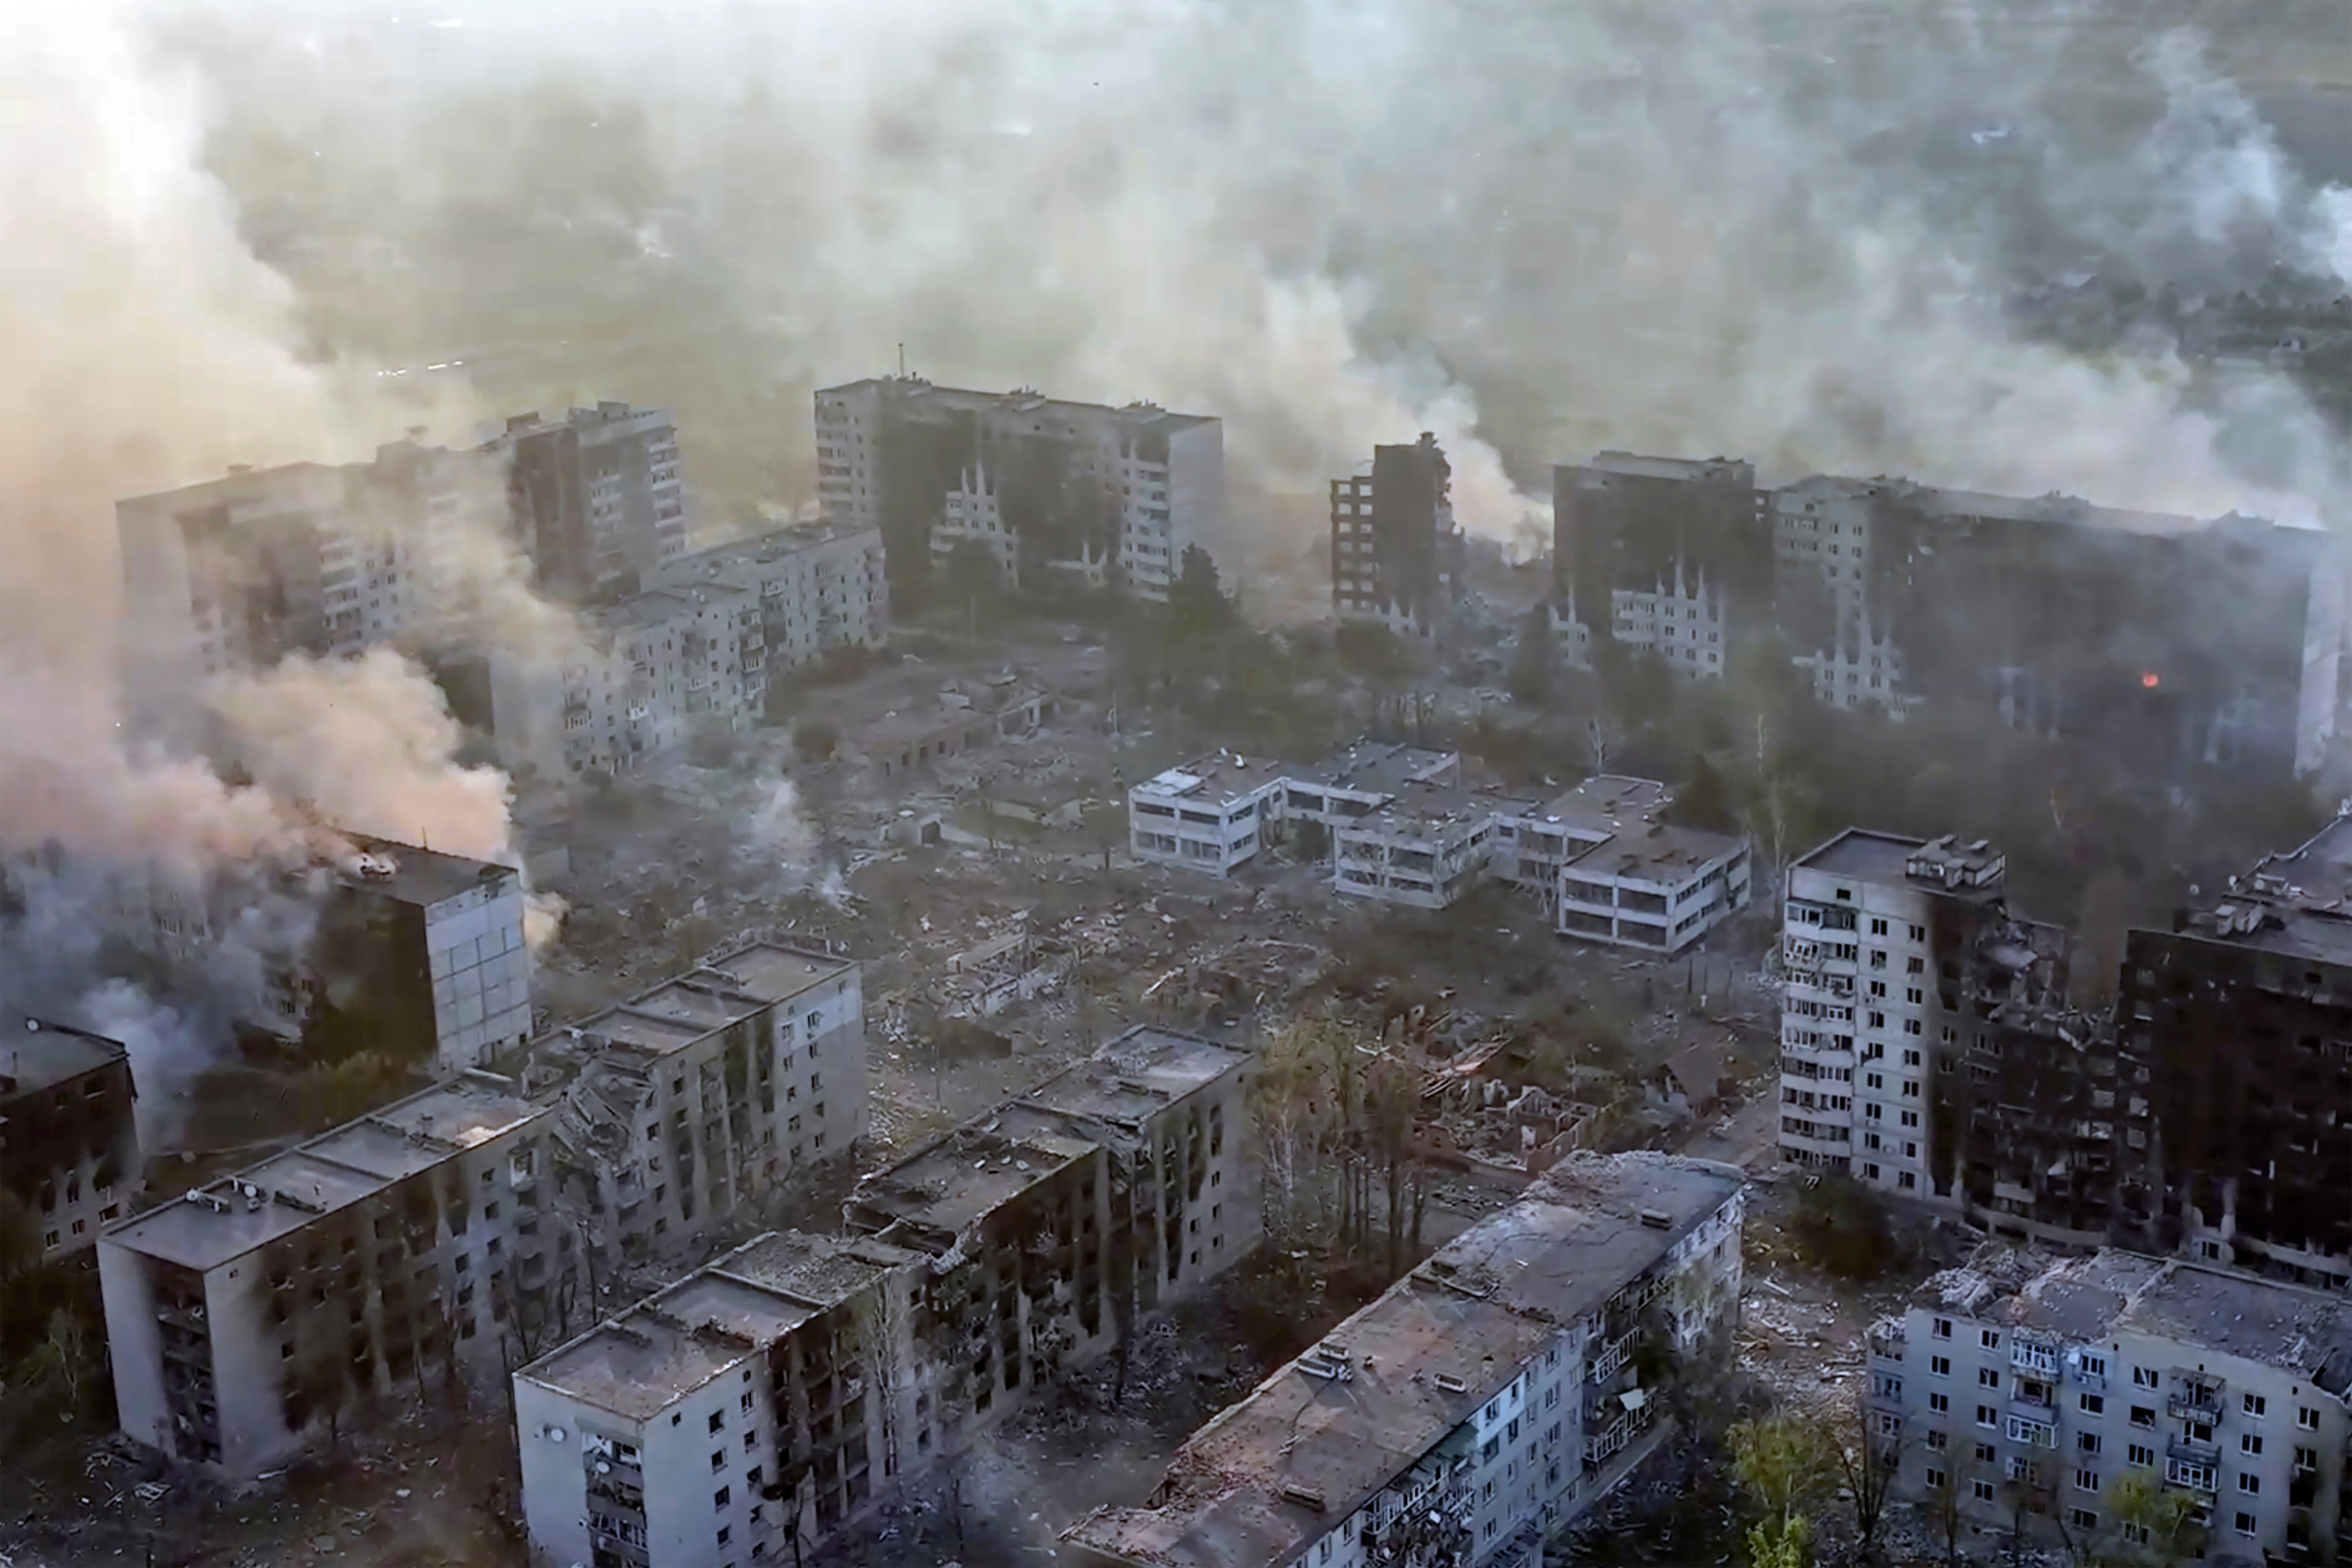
(1075, 492)
(744, 1415)
(821, 587)
(1481, 1403)
(754, 1410)
(410, 1248)
(1426, 846)
(1669, 556)
(1877, 933)
(1396, 555)
(680, 1108)
(598, 500)
(2238, 1018)
(2049, 1400)
(454, 1234)
(652, 666)
(69, 1129)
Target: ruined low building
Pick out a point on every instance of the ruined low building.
(2024, 1395)
(455, 1234)
(1478, 1406)
(744, 1415)
(985, 979)
(69, 1129)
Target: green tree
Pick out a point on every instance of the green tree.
(2146, 1525)
(1788, 1544)
(1788, 1465)
(1197, 605)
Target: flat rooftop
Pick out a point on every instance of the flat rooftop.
(257, 1205)
(1884, 859)
(415, 875)
(1375, 767)
(822, 1271)
(1218, 779)
(968, 1172)
(1143, 1072)
(2200, 1306)
(1605, 803)
(641, 1363)
(1659, 852)
(725, 991)
(1428, 808)
(1634, 464)
(37, 1053)
(720, 563)
(1425, 1355)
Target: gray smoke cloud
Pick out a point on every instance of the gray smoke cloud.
(1787, 231)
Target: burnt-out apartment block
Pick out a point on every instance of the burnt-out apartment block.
(2171, 641)
(598, 505)
(69, 1129)
(1878, 936)
(1664, 555)
(452, 1234)
(410, 1250)
(1057, 1220)
(681, 1106)
(2242, 1018)
(1482, 1405)
(1396, 555)
(744, 1415)
(1052, 492)
(754, 1410)
(2056, 1121)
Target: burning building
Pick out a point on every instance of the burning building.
(1396, 555)
(69, 1131)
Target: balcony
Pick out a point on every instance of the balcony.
(1886, 1338)
(2195, 1477)
(1611, 1361)
(2189, 1450)
(2196, 1404)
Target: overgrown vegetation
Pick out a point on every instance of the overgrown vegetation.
(1843, 1227)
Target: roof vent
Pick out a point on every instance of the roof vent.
(1451, 1383)
(1657, 1220)
(1305, 1497)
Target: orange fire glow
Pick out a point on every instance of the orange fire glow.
(2149, 681)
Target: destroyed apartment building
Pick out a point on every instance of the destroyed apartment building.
(2022, 1392)
(1402, 828)
(69, 1129)
(757, 1408)
(454, 1234)
(1016, 966)
(1481, 1403)
(416, 954)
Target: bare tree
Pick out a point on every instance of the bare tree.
(1868, 1459)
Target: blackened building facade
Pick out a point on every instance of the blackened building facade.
(1396, 555)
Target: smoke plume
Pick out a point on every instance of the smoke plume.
(1788, 231)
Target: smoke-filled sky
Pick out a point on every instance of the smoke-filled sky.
(1781, 231)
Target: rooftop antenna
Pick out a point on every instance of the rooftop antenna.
(902, 361)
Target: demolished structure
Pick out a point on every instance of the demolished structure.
(455, 1233)
(1396, 554)
(758, 1407)
(1481, 1403)
(1402, 828)
(69, 1129)
(2023, 1395)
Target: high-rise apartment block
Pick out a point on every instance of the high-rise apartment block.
(1479, 1406)
(69, 1129)
(820, 586)
(1396, 555)
(2173, 641)
(450, 1237)
(1667, 556)
(1876, 936)
(756, 1409)
(2038, 1399)
(598, 500)
(1049, 491)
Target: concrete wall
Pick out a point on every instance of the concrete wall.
(134, 1346)
(481, 974)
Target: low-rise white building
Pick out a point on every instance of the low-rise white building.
(1426, 847)
(2024, 1393)
(1656, 886)
(1483, 1402)
(1211, 814)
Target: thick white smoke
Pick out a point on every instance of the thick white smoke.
(1786, 231)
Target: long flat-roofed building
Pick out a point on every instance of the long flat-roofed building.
(761, 1405)
(744, 1415)
(1481, 1403)
(2022, 1392)
(1209, 814)
(445, 1226)
(69, 1129)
